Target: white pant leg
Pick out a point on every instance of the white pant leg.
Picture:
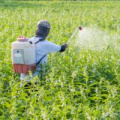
(28, 77)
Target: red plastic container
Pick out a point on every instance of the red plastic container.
(18, 68)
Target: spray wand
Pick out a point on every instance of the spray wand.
(79, 28)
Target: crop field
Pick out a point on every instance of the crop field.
(82, 83)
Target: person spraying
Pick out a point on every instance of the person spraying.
(42, 48)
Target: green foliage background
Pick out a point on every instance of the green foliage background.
(77, 85)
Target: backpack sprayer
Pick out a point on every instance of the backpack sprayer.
(23, 55)
(79, 28)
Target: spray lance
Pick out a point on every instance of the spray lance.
(79, 28)
(66, 45)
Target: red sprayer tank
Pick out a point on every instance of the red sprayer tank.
(23, 55)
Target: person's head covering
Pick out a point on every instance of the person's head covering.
(43, 29)
(44, 23)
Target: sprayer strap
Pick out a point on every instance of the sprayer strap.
(40, 60)
(39, 40)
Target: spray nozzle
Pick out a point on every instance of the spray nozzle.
(80, 28)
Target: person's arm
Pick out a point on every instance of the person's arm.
(51, 47)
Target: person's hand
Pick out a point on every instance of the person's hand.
(66, 45)
(63, 47)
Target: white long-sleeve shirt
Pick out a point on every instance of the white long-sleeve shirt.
(42, 48)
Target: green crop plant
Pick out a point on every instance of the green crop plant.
(79, 84)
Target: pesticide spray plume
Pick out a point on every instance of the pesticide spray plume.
(93, 38)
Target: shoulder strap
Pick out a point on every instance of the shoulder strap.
(40, 60)
(39, 40)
